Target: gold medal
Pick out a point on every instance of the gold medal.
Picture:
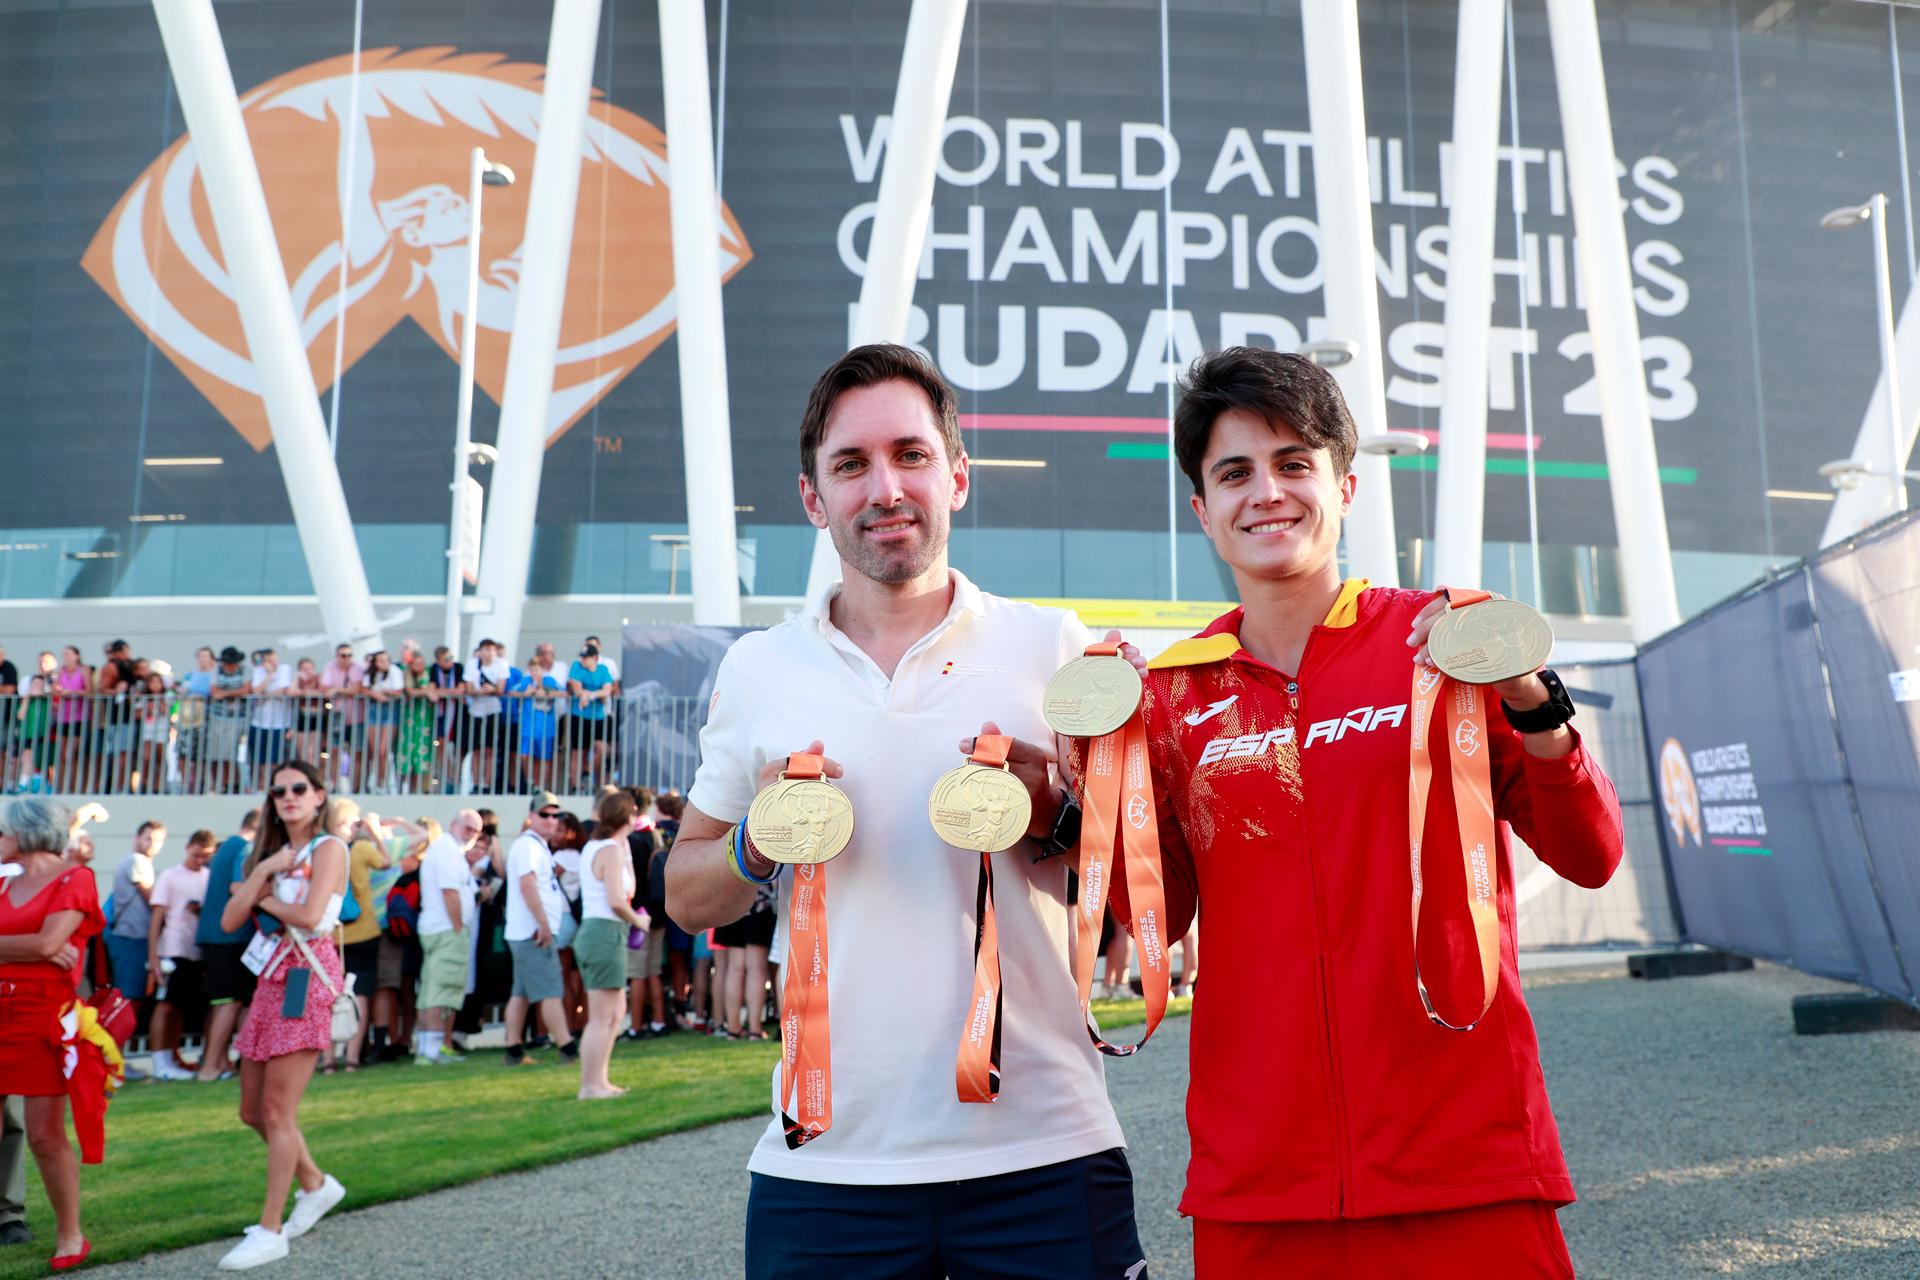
(1092, 695)
(1491, 641)
(981, 806)
(801, 818)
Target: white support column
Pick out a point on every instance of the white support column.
(706, 431)
(463, 414)
(1331, 32)
(1886, 433)
(201, 76)
(906, 196)
(1460, 511)
(506, 549)
(1639, 507)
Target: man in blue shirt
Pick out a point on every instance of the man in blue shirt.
(593, 689)
(229, 983)
(536, 687)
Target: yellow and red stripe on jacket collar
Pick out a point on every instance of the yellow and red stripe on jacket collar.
(1218, 645)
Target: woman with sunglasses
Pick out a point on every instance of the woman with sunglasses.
(294, 877)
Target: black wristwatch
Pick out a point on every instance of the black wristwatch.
(1066, 829)
(1549, 715)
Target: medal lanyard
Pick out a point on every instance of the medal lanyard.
(977, 1066)
(1120, 815)
(1469, 759)
(806, 1067)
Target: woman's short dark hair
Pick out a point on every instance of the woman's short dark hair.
(1280, 388)
(869, 366)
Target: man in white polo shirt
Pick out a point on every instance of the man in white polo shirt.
(533, 909)
(447, 891)
(886, 674)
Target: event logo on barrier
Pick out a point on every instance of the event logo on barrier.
(372, 222)
(1678, 794)
(1712, 791)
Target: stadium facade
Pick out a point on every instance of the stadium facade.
(1121, 182)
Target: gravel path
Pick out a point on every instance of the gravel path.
(1706, 1140)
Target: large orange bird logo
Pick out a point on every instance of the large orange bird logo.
(372, 220)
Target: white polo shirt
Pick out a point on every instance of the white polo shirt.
(900, 901)
(529, 855)
(444, 866)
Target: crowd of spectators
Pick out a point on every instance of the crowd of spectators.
(388, 723)
(430, 933)
(456, 927)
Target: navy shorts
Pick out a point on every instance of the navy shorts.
(1064, 1221)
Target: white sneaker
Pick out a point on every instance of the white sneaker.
(170, 1069)
(257, 1247)
(311, 1206)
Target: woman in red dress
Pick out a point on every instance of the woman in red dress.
(48, 910)
(295, 873)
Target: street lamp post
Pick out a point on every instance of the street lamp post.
(1331, 353)
(483, 173)
(1875, 211)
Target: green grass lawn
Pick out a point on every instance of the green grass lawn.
(181, 1169)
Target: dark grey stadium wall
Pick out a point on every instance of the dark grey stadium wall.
(1724, 113)
(1784, 765)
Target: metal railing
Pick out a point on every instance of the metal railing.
(420, 741)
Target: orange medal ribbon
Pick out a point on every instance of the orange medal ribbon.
(1120, 814)
(1469, 757)
(977, 1067)
(806, 1068)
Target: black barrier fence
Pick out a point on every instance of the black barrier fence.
(1635, 907)
(1781, 731)
(412, 740)
(669, 671)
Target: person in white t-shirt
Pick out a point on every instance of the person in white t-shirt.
(173, 956)
(447, 893)
(889, 675)
(487, 677)
(534, 905)
(272, 715)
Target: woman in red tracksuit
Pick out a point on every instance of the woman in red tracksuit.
(1342, 1132)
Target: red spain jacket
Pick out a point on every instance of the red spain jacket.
(1319, 1088)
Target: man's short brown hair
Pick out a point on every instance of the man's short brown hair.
(1280, 388)
(868, 366)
